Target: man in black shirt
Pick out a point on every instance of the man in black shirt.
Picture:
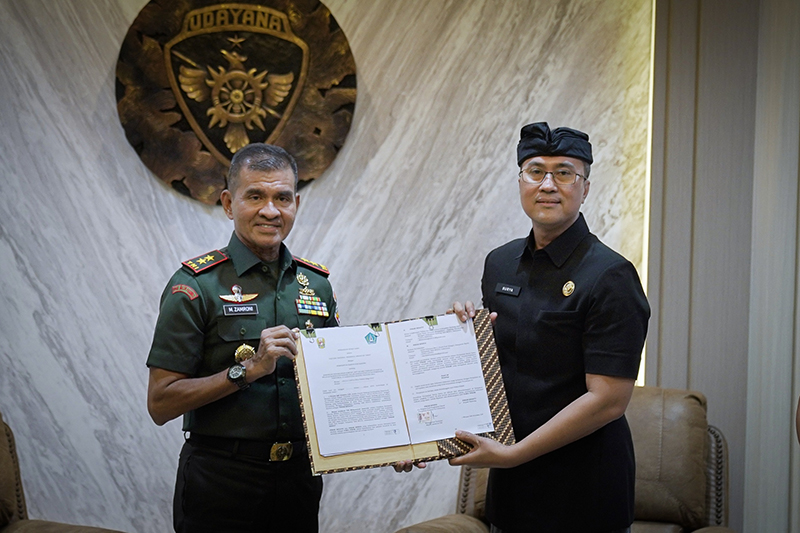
(570, 320)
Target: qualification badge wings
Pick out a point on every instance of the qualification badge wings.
(238, 296)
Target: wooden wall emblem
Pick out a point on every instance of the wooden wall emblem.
(197, 81)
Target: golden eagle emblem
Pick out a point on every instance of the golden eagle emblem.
(239, 97)
(237, 72)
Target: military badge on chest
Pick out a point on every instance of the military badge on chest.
(237, 306)
(307, 302)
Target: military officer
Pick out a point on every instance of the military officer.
(222, 357)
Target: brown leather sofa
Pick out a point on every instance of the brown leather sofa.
(681, 471)
(13, 512)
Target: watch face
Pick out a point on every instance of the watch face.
(235, 372)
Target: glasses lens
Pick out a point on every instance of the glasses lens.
(564, 177)
(537, 175)
(532, 175)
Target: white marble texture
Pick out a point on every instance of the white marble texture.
(423, 188)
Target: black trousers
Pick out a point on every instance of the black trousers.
(220, 492)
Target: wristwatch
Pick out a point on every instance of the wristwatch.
(238, 374)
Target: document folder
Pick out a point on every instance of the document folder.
(426, 451)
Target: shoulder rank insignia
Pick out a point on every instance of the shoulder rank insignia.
(204, 262)
(316, 267)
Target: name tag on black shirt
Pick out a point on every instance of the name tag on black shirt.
(240, 309)
(511, 290)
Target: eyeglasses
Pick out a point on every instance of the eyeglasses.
(562, 176)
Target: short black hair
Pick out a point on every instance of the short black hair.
(260, 156)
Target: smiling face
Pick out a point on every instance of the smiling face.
(263, 206)
(551, 207)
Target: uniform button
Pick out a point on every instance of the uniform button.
(278, 297)
(264, 268)
(284, 425)
(282, 381)
(242, 331)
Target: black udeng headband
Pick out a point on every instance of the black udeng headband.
(537, 139)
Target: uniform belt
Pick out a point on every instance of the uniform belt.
(277, 451)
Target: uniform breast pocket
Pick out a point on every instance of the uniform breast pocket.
(554, 342)
(560, 322)
(239, 328)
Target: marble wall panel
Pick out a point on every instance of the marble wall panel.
(423, 188)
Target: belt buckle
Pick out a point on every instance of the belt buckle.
(281, 451)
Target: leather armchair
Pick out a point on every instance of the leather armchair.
(681, 471)
(13, 511)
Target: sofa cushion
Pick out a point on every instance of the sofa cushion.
(669, 429)
(655, 527)
(448, 524)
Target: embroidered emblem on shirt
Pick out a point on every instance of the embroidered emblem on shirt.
(568, 288)
(185, 289)
(205, 261)
(237, 295)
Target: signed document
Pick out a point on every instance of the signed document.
(376, 394)
(439, 371)
(354, 390)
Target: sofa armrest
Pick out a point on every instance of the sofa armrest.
(717, 478)
(472, 491)
(12, 497)
(453, 523)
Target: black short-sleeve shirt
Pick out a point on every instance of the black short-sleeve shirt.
(571, 308)
(195, 335)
